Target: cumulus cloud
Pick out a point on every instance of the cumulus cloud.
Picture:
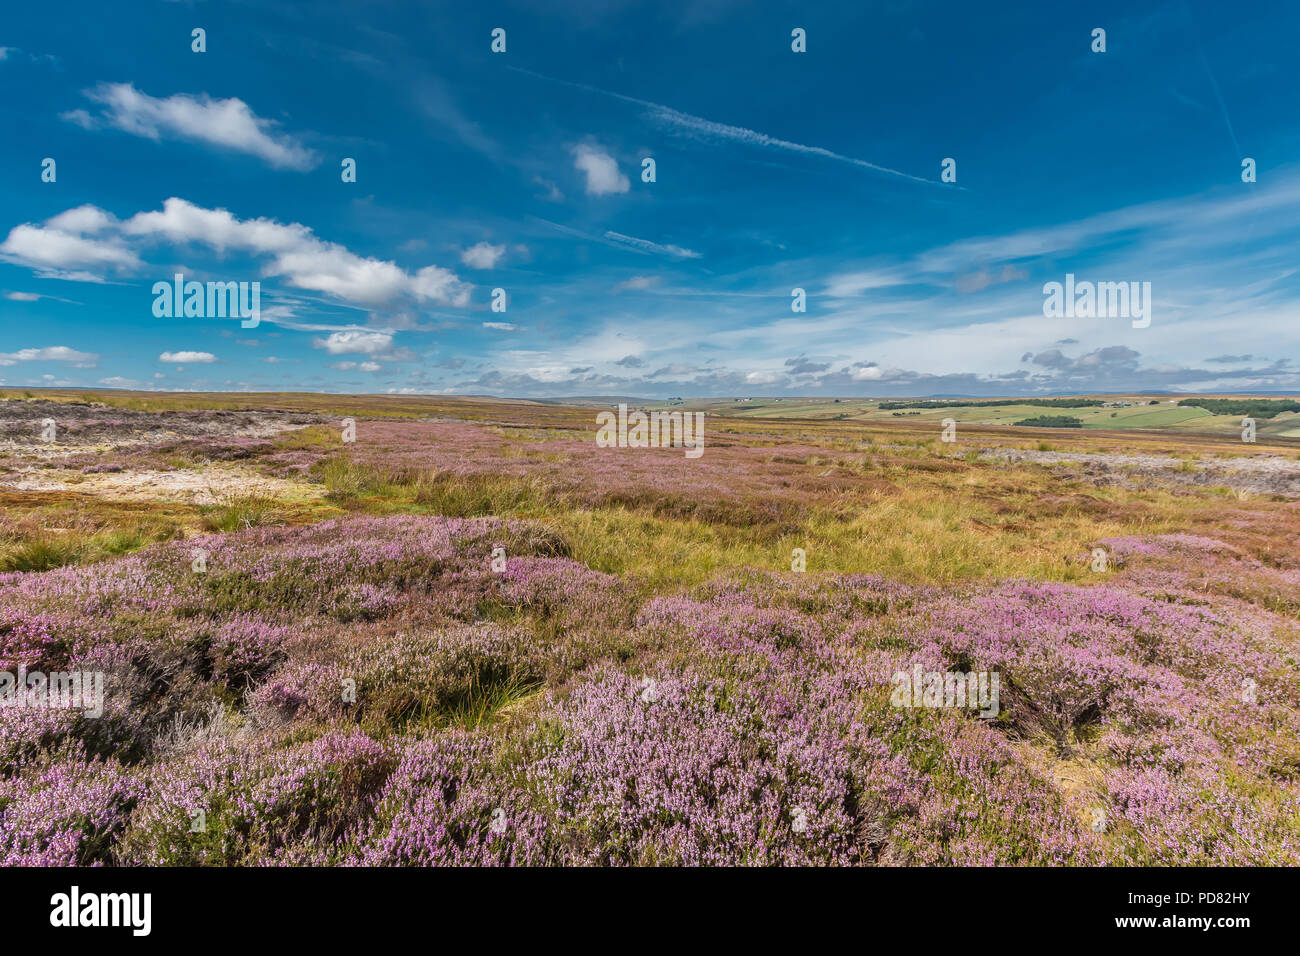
(82, 220)
(356, 342)
(866, 373)
(69, 246)
(482, 255)
(187, 358)
(601, 170)
(85, 242)
(52, 353)
(228, 123)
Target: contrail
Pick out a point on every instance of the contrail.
(737, 134)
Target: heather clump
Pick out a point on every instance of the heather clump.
(960, 792)
(627, 770)
(68, 813)
(563, 591)
(462, 674)
(246, 803)
(696, 770)
(454, 801)
(1180, 708)
(465, 672)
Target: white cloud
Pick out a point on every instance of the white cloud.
(502, 326)
(866, 373)
(636, 283)
(117, 381)
(52, 353)
(763, 378)
(228, 123)
(61, 247)
(82, 220)
(23, 296)
(645, 245)
(709, 129)
(58, 253)
(483, 255)
(852, 284)
(355, 342)
(306, 261)
(601, 169)
(187, 358)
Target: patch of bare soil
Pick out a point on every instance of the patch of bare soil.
(84, 427)
(110, 452)
(212, 484)
(1263, 474)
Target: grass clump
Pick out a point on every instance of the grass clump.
(237, 512)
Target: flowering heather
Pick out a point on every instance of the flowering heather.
(734, 483)
(438, 809)
(379, 691)
(69, 814)
(242, 802)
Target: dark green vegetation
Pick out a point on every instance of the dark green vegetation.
(1051, 421)
(1254, 407)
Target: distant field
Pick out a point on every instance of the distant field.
(1166, 414)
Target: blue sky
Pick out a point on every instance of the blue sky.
(775, 170)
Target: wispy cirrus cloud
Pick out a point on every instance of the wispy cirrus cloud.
(653, 248)
(706, 129)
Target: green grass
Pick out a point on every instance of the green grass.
(46, 550)
(41, 554)
(238, 512)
